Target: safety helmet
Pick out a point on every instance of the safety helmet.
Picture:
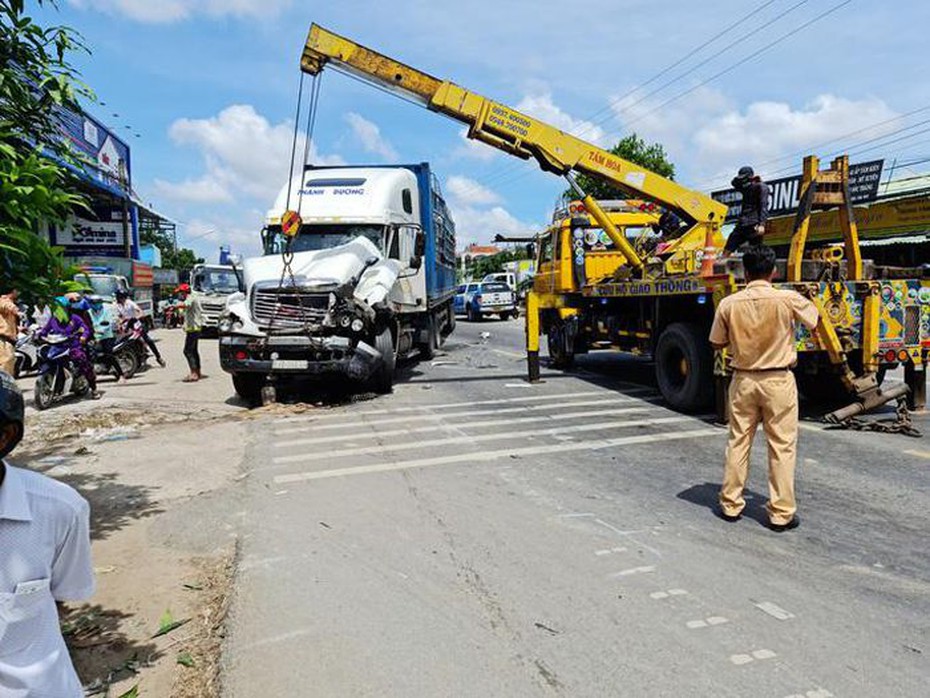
(11, 410)
(746, 171)
(183, 288)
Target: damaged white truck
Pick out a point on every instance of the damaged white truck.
(371, 280)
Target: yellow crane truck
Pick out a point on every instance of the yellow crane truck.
(602, 284)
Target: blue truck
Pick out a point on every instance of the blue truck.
(372, 279)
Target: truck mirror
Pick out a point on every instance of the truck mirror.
(419, 245)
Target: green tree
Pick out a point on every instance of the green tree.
(182, 258)
(36, 82)
(633, 148)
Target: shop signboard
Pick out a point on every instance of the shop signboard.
(108, 154)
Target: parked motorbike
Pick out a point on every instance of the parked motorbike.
(125, 353)
(58, 378)
(27, 354)
(130, 340)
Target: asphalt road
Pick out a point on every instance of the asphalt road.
(472, 535)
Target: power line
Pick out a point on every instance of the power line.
(730, 68)
(712, 184)
(503, 174)
(707, 60)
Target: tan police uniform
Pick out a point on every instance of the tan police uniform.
(9, 331)
(757, 325)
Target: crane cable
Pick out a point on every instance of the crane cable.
(287, 252)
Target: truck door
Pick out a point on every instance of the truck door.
(546, 262)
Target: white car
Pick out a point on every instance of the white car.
(480, 298)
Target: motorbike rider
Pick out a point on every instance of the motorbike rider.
(130, 316)
(68, 323)
(104, 324)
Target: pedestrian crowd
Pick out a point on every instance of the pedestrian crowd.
(89, 329)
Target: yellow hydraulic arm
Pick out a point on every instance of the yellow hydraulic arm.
(525, 137)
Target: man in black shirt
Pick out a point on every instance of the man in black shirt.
(755, 212)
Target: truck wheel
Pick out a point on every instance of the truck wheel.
(450, 325)
(560, 355)
(429, 347)
(248, 386)
(685, 367)
(473, 315)
(382, 381)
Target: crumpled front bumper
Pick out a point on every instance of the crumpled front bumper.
(297, 355)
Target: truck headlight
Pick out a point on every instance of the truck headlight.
(229, 322)
(357, 325)
(345, 320)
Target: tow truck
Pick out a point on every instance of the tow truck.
(597, 290)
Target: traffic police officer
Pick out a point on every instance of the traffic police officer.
(757, 325)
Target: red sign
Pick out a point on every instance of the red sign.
(142, 276)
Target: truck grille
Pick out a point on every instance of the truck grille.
(286, 309)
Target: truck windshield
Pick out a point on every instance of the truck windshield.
(216, 281)
(105, 286)
(324, 237)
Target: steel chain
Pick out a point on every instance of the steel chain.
(901, 424)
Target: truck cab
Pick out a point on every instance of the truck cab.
(368, 277)
(215, 283)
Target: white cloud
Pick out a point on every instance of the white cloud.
(539, 104)
(369, 135)
(475, 150)
(768, 130)
(709, 138)
(468, 192)
(244, 154)
(203, 191)
(174, 10)
(478, 213)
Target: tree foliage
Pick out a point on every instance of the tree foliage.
(633, 148)
(182, 258)
(480, 267)
(36, 82)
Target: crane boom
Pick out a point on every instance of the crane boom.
(525, 137)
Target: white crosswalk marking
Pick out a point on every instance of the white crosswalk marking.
(553, 398)
(355, 423)
(450, 405)
(461, 425)
(480, 456)
(383, 448)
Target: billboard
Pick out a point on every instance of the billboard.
(864, 179)
(98, 234)
(108, 154)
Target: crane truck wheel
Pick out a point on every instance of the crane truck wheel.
(249, 387)
(685, 367)
(560, 355)
(382, 380)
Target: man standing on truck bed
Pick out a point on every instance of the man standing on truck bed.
(755, 211)
(757, 325)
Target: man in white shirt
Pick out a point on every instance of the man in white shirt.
(44, 558)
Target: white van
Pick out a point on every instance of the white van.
(504, 277)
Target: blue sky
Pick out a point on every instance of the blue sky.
(210, 85)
